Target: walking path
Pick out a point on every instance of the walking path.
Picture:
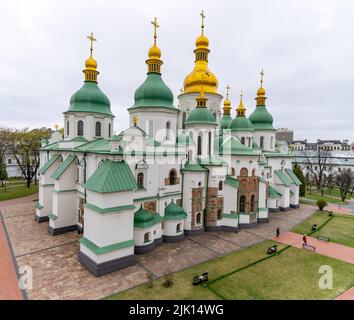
(348, 295)
(329, 249)
(9, 289)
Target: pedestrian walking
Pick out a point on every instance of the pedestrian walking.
(304, 239)
(278, 232)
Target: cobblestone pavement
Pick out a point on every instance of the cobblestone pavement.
(57, 274)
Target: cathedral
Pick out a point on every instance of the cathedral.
(177, 170)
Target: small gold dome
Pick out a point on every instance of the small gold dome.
(202, 42)
(227, 103)
(91, 63)
(261, 92)
(154, 52)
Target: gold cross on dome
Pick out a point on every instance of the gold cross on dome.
(156, 25)
(92, 39)
(227, 91)
(262, 74)
(203, 17)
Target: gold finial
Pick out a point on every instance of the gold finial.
(262, 74)
(181, 90)
(227, 91)
(241, 94)
(56, 126)
(92, 39)
(135, 120)
(203, 17)
(156, 25)
(241, 110)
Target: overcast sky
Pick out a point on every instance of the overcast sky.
(305, 47)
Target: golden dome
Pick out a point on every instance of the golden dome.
(91, 63)
(261, 92)
(201, 75)
(154, 52)
(202, 42)
(227, 103)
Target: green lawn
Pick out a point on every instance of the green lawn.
(329, 199)
(293, 274)
(340, 229)
(17, 189)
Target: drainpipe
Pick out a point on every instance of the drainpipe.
(206, 196)
(85, 165)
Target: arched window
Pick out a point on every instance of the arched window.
(219, 214)
(220, 185)
(98, 129)
(198, 219)
(184, 120)
(243, 140)
(179, 228)
(173, 177)
(109, 130)
(80, 128)
(199, 184)
(67, 128)
(253, 172)
(261, 142)
(209, 143)
(199, 151)
(244, 172)
(271, 142)
(242, 205)
(140, 180)
(168, 125)
(233, 172)
(252, 203)
(147, 237)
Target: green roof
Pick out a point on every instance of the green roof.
(261, 119)
(111, 176)
(211, 161)
(195, 167)
(273, 194)
(48, 164)
(225, 121)
(182, 139)
(61, 169)
(201, 115)
(153, 93)
(79, 139)
(91, 99)
(241, 124)
(232, 181)
(233, 146)
(145, 219)
(283, 178)
(174, 212)
(293, 177)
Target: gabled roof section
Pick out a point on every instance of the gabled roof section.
(231, 145)
(111, 176)
(232, 181)
(193, 167)
(273, 194)
(62, 168)
(293, 177)
(283, 178)
(49, 163)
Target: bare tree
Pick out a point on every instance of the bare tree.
(330, 182)
(344, 181)
(317, 162)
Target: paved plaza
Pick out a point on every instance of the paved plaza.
(57, 274)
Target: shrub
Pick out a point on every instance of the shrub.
(321, 203)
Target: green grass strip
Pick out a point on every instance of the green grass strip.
(246, 266)
(321, 226)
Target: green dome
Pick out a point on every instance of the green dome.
(174, 212)
(241, 124)
(153, 93)
(261, 119)
(201, 115)
(145, 219)
(225, 121)
(90, 98)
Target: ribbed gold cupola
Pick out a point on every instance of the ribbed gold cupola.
(261, 97)
(227, 102)
(91, 72)
(193, 81)
(154, 62)
(241, 110)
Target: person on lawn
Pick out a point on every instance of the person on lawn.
(304, 239)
